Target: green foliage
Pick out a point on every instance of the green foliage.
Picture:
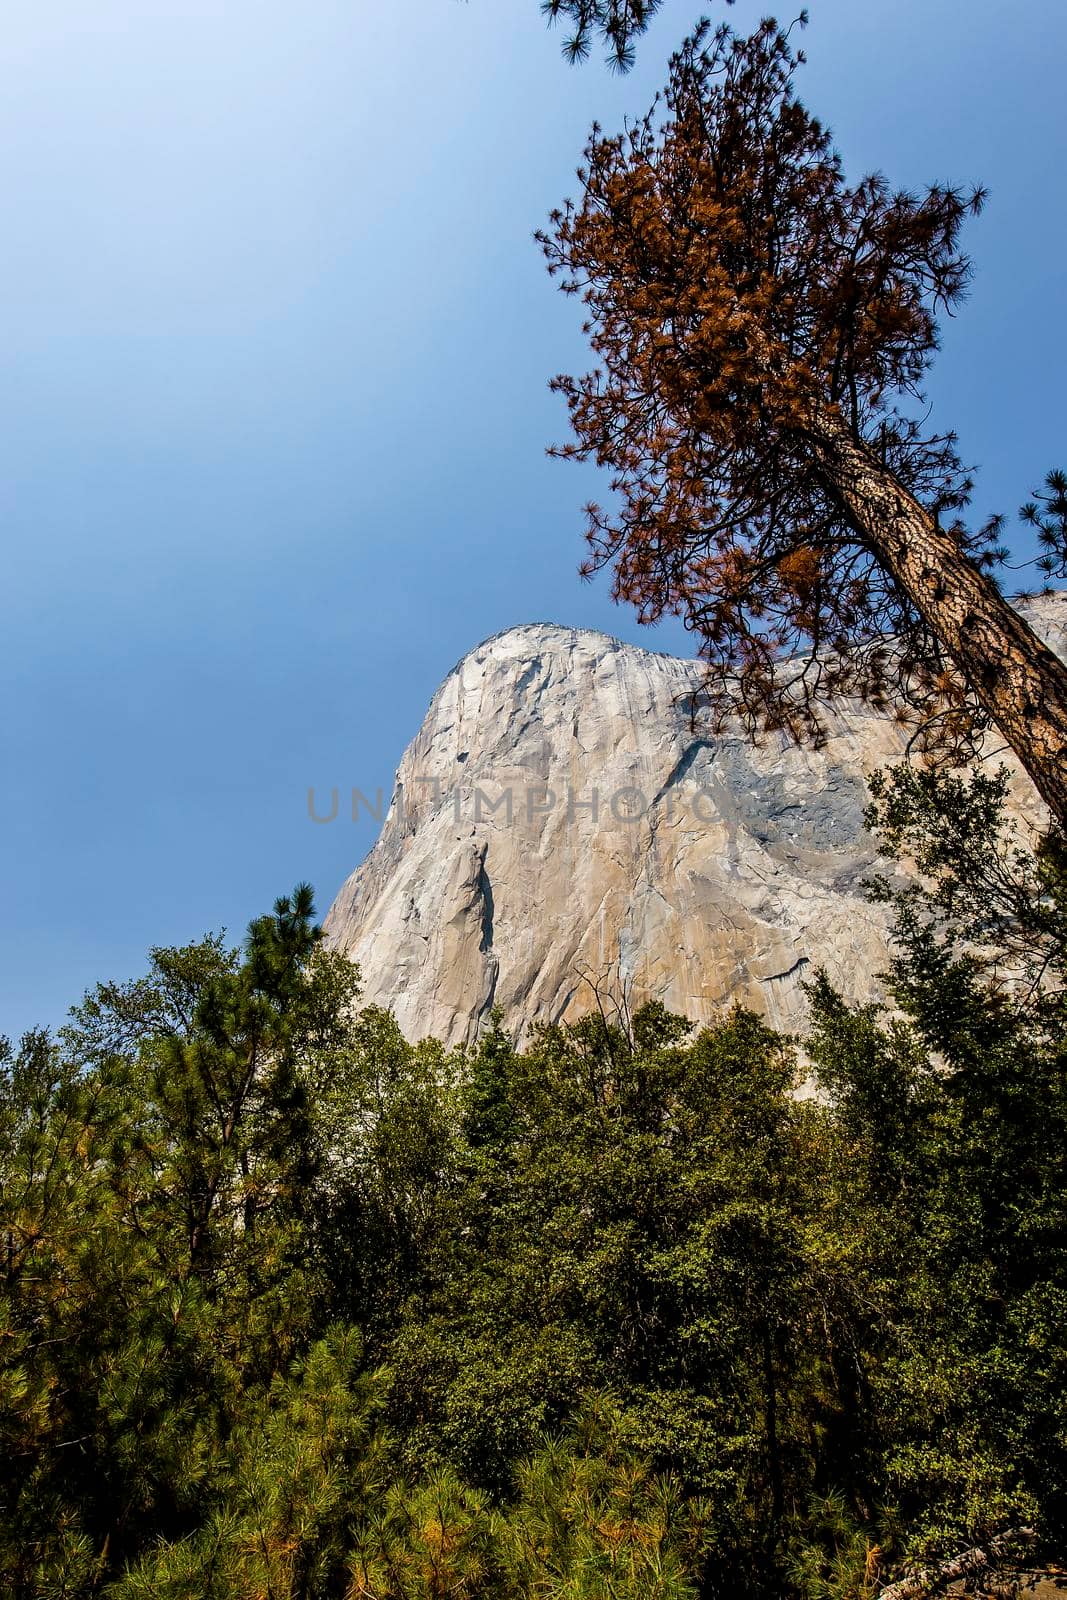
(958, 1117)
(617, 22)
(1046, 513)
(989, 916)
(291, 1307)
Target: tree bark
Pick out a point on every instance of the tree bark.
(1016, 678)
(979, 1559)
(774, 1459)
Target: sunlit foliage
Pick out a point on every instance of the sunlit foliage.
(290, 1307)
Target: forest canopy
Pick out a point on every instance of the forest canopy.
(292, 1307)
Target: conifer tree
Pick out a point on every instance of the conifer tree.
(762, 327)
(617, 22)
(614, 1314)
(955, 1189)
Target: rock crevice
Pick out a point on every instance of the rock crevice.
(558, 819)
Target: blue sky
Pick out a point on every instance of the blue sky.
(276, 342)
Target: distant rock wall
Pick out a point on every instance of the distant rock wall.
(558, 818)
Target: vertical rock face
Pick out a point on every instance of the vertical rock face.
(560, 821)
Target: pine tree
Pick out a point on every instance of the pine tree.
(762, 328)
(618, 23)
(956, 1115)
(615, 1314)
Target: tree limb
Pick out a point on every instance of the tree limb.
(930, 1579)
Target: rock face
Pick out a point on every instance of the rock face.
(560, 820)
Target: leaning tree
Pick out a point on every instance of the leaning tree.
(761, 329)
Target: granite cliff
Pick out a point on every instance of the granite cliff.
(561, 819)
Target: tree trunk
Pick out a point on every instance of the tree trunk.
(934, 1579)
(774, 1458)
(1016, 678)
